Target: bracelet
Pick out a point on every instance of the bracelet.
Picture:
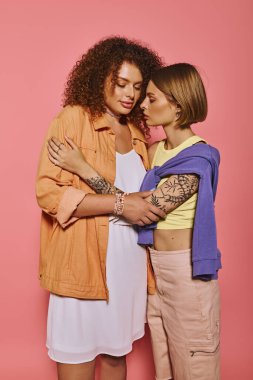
(119, 203)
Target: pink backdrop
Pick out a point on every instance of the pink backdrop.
(40, 41)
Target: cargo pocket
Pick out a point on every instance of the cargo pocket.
(208, 346)
(208, 298)
(204, 357)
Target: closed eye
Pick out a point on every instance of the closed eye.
(120, 85)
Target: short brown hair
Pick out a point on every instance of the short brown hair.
(183, 86)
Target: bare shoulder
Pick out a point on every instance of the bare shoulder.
(152, 150)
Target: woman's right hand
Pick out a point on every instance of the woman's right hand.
(68, 158)
(138, 211)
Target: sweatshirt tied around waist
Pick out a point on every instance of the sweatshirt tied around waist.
(202, 160)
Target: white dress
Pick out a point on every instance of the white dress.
(79, 330)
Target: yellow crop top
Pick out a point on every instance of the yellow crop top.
(183, 216)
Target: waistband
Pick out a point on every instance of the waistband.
(183, 251)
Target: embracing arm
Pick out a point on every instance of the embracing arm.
(136, 209)
(73, 161)
(98, 183)
(57, 190)
(176, 190)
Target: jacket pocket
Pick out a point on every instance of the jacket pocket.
(89, 153)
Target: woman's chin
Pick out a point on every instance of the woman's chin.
(125, 112)
(150, 124)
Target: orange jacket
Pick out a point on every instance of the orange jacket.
(73, 251)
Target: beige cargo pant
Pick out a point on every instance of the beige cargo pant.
(183, 317)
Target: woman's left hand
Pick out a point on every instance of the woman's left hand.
(68, 158)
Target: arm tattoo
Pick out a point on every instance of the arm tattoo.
(175, 191)
(101, 186)
(155, 201)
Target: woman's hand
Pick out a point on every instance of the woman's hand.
(72, 160)
(68, 158)
(138, 211)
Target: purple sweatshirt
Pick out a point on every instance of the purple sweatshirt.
(203, 160)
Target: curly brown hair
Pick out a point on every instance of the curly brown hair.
(85, 84)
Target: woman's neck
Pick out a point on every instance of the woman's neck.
(112, 114)
(176, 135)
(115, 120)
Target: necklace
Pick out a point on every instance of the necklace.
(112, 114)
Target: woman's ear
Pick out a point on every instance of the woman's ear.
(178, 111)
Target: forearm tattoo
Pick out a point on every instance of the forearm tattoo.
(101, 186)
(175, 191)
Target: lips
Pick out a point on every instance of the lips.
(127, 105)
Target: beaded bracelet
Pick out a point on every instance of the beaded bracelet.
(119, 203)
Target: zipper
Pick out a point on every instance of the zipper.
(205, 352)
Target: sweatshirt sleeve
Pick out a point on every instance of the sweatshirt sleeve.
(55, 190)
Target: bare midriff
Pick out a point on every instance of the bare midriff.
(172, 240)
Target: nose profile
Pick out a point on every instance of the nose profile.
(130, 92)
(142, 106)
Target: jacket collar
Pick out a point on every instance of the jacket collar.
(104, 122)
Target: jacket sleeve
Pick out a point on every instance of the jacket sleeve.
(55, 190)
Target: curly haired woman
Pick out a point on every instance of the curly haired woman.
(90, 262)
